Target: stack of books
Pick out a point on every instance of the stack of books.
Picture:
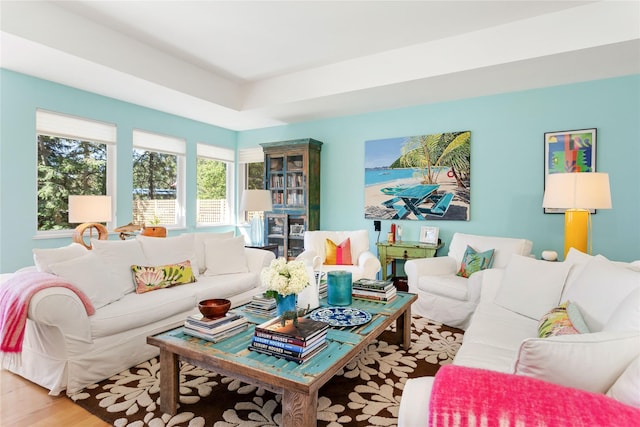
(374, 290)
(215, 329)
(262, 306)
(296, 343)
(322, 283)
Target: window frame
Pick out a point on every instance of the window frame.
(67, 126)
(227, 156)
(161, 143)
(245, 157)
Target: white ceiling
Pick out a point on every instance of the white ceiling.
(251, 64)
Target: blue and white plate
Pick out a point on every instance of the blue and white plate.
(341, 316)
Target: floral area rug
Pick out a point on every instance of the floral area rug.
(366, 392)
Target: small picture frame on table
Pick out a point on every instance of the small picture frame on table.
(429, 235)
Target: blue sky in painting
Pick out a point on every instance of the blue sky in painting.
(382, 152)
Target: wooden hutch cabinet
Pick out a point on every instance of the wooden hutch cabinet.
(292, 174)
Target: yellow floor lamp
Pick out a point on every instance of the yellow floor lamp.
(578, 193)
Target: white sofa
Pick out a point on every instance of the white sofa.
(65, 349)
(503, 333)
(364, 262)
(450, 299)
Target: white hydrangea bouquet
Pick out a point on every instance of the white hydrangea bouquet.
(284, 278)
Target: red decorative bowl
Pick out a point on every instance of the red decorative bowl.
(213, 308)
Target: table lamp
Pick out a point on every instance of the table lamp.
(578, 193)
(90, 211)
(256, 201)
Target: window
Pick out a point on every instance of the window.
(214, 182)
(158, 179)
(76, 156)
(251, 165)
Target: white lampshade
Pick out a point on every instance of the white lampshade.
(577, 190)
(89, 209)
(256, 201)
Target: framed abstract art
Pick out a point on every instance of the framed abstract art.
(569, 151)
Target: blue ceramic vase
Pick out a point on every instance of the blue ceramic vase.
(286, 303)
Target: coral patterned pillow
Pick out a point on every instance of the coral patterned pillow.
(564, 319)
(338, 254)
(148, 279)
(473, 261)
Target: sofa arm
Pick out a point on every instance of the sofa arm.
(507, 399)
(414, 404)
(257, 259)
(428, 267)
(369, 264)
(61, 308)
(488, 284)
(308, 256)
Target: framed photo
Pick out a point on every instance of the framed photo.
(569, 151)
(429, 235)
(296, 230)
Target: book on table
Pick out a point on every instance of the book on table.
(372, 284)
(368, 294)
(296, 359)
(217, 337)
(305, 329)
(261, 305)
(285, 348)
(206, 322)
(232, 322)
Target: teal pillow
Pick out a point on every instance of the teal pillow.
(473, 261)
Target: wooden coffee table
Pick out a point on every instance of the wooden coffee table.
(298, 384)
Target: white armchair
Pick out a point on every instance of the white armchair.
(450, 299)
(365, 263)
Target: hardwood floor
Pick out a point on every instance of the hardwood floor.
(24, 404)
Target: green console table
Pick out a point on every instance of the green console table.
(403, 250)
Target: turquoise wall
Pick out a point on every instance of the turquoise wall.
(507, 154)
(507, 161)
(20, 96)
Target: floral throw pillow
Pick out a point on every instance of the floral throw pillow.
(473, 261)
(148, 279)
(564, 319)
(338, 254)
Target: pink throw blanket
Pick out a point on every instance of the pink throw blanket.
(464, 397)
(15, 295)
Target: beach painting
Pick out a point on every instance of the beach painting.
(422, 178)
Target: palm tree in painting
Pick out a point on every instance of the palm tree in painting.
(430, 154)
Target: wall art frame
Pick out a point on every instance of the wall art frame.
(429, 235)
(569, 151)
(419, 178)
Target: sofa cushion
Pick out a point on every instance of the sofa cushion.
(448, 286)
(150, 278)
(200, 238)
(474, 261)
(120, 255)
(225, 286)
(225, 256)
(626, 389)
(626, 317)
(531, 287)
(170, 250)
(503, 246)
(562, 320)
(137, 310)
(338, 254)
(315, 240)
(600, 288)
(92, 276)
(43, 258)
(493, 338)
(590, 362)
